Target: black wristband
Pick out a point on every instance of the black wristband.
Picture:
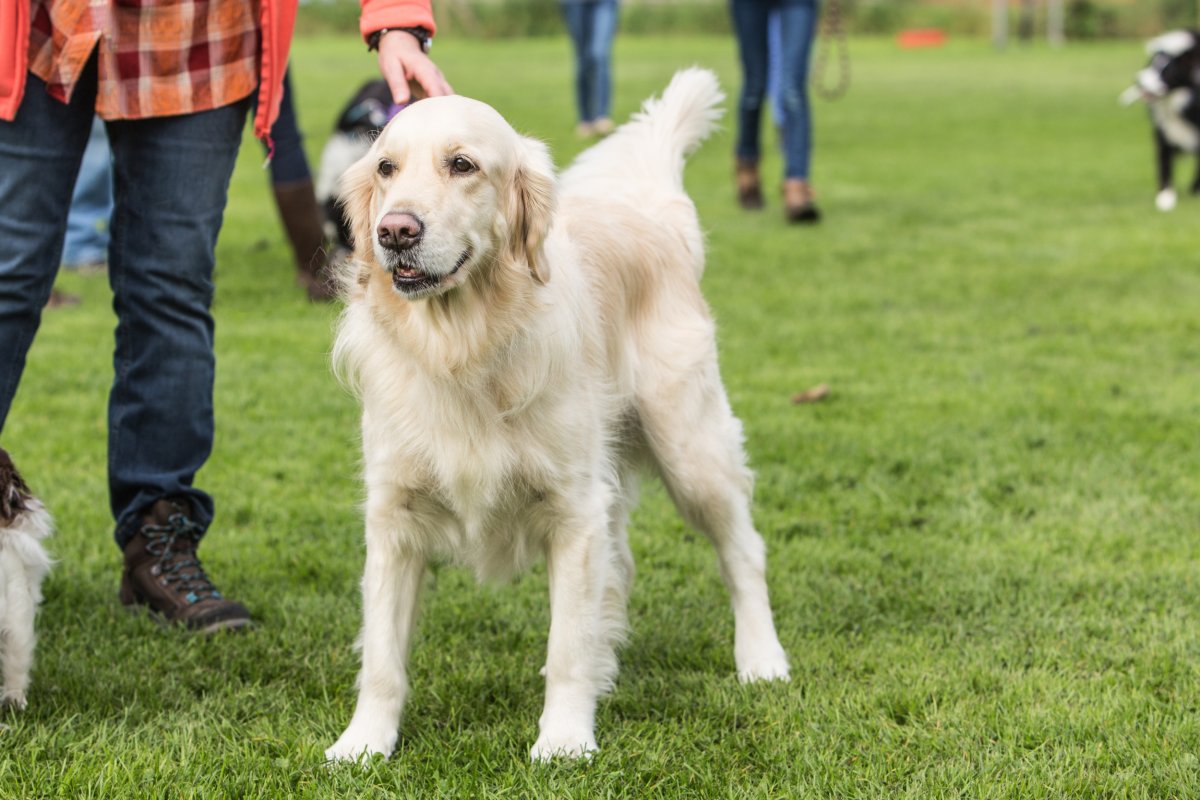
(420, 34)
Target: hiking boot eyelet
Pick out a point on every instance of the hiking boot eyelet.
(163, 574)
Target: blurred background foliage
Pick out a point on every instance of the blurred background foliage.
(1084, 19)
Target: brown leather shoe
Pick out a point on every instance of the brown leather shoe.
(799, 201)
(749, 187)
(163, 573)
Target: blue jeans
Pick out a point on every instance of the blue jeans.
(289, 164)
(171, 178)
(91, 204)
(775, 67)
(592, 25)
(798, 24)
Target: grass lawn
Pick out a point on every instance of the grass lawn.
(983, 545)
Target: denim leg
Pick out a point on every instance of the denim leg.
(603, 29)
(289, 164)
(575, 14)
(798, 21)
(750, 28)
(91, 204)
(171, 182)
(775, 66)
(40, 152)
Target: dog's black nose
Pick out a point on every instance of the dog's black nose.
(398, 231)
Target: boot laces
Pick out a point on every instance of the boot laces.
(174, 545)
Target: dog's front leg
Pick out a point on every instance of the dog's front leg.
(580, 659)
(1165, 158)
(391, 585)
(17, 607)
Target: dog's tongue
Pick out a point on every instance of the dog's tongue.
(409, 272)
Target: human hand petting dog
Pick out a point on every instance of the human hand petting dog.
(409, 72)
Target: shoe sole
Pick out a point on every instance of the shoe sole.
(233, 624)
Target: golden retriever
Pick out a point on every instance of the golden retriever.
(523, 349)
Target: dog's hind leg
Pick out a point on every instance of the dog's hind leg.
(390, 589)
(1165, 160)
(17, 623)
(697, 443)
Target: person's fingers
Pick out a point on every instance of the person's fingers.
(429, 79)
(408, 70)
(397, 81)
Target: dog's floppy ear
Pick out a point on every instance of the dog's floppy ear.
(531, 205)
(354, 194)
(13, 491)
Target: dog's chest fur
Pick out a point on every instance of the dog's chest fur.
(1178, 117)
(486, 463)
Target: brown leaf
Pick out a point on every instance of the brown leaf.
(814, 395)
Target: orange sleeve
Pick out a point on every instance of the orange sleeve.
(378, 14)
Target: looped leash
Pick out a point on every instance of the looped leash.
(832, 27)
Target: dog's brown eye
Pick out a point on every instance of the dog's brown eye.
(462, 165)
(386, 168)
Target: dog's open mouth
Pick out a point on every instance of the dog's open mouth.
(414, 280)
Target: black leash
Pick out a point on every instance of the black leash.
(832, 27)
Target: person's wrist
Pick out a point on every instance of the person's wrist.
(424, 37)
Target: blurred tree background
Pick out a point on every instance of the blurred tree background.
(1083, 19)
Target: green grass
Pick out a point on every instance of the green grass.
(983, 546)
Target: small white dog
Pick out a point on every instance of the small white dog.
(522, 352)
(24, 523)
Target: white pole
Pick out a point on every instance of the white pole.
(1054, 23)
(1000, 23)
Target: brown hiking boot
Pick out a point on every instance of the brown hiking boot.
(163, 573)
(304, 222)
(749, 188)
(799, 202)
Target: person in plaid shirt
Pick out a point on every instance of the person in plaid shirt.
(173, 81)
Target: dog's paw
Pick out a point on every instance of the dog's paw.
(359, 743)
(1165, 200)
(552, 745)
(770, 664)
(14, 699)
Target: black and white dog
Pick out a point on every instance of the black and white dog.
(357, 127)
(24, 523)
(1170, 87)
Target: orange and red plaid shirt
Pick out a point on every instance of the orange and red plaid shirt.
(156, 57)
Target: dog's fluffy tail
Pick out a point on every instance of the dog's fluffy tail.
(657, 139)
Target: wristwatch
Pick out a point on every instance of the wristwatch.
(423, 36)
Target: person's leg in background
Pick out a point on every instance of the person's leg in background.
(40, 152)
(798, 21)
(161, 265)
(296, 199)
(86, 245)
(774, 70)
(750, 28)
(598, 56)
(578, 19)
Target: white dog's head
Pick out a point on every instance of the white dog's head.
(447, 193)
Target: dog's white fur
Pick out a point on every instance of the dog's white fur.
(23, 565)
(508, 410)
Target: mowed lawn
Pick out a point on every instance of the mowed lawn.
(983, 545)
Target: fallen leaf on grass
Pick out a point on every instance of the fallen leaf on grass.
(814, 395)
